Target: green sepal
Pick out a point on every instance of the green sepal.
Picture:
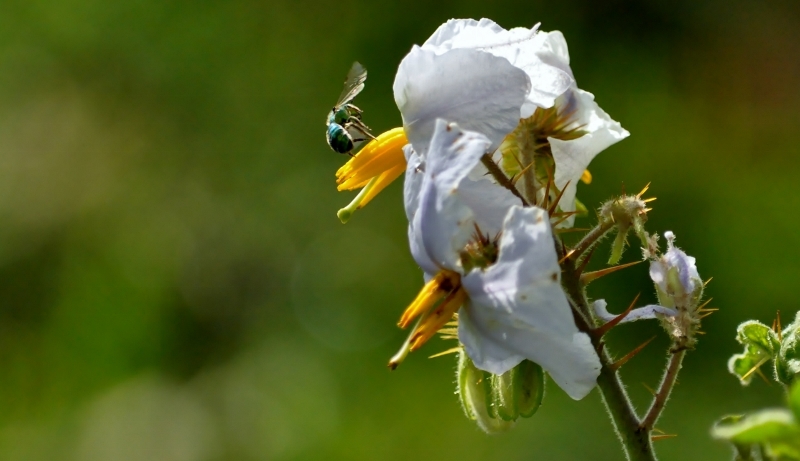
(760, 345)
(504, 402)
(474, 393)
(774, 429)
(618, 247)
(530, 388)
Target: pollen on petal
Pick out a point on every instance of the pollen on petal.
(380, 155)
(586, 177)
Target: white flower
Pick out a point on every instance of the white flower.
(572, 157)
(514, 308)
(481, 76)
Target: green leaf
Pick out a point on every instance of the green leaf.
(787, 364)
(773, 426)
(794, 400)
(757, 334)
(760, 345)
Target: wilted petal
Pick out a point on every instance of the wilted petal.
(651, 311)
(518, 305)
(477, 90)
(573, 157)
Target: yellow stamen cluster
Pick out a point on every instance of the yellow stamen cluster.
(373, 168)
(445, 290)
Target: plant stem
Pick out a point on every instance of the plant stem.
(594, 235)
(665, 388)
(501, 177)
(634, 437)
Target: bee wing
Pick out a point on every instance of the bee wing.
(353, 84)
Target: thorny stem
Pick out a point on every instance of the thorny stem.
(633, 433)
(664, 389)
(591, 238)
(635, 439)
(501, 177)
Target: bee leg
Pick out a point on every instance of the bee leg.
(354, 109)
(360, 127)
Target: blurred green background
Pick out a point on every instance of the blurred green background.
(174, 283)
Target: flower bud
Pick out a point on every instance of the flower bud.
(675, 275)
(495, 402)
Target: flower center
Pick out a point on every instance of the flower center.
(481, 252)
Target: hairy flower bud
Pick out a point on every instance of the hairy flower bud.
(495, 402)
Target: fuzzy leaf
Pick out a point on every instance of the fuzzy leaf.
(760, 345)
(774, 429)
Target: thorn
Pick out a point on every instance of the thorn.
(700, 308)
(646, 210)
(698, 332)
(448, 351)
(644, 190)
(648, 200)
(761, 374)
(755, 368)
(546, 196)
(557, 199)
(603, 329)
(706, 282)
(585, 261)
(773, 324)
(569, 253)
(650, 389)
(655, 438)
(623, 188)
(521, 173)
(571, 229)
(658, 431)
(590, 277)
(618, 364)
(448, 331)
(780, 329)
(566, 216)
(708, 312)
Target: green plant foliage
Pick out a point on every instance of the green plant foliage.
(760, 345)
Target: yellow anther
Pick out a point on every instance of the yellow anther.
(439, 286)
(438, 318)
(380, 155)
(586, 177)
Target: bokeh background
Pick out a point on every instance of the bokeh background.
(174, 283)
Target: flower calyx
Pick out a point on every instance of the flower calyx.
(625, 213)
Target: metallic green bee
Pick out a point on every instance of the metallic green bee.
(345, 127)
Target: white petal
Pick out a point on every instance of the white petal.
(445, 221)
(573, 157)
(412, 181)
(477, 90)
(541, 55)
(518, 304)
(484, 352)
(651, 311)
